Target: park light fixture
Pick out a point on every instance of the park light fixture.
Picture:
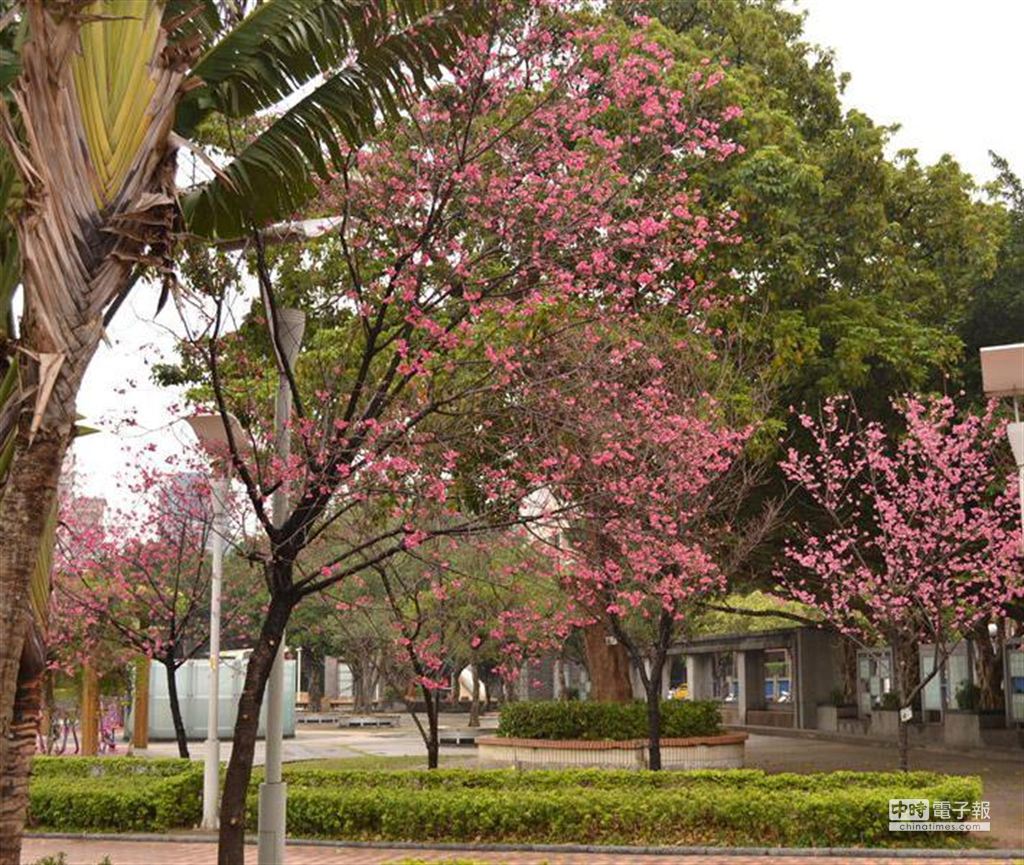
(1002, 375)
(212, 432)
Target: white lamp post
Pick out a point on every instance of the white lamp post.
(287, 327)
(1002, 374)
(213, 438)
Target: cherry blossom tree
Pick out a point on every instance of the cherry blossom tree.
(918, 539)
(139, 583)
(547, 184)
(655, 478)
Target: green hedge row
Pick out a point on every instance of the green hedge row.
(147, 802)
(734, 807)
(572, 719)
(704, 814)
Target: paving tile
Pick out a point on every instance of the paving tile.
(91, 851)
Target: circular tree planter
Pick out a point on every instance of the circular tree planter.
(697, 752)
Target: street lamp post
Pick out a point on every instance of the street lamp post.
(1002, 375)
(213, 438)
(288, 326)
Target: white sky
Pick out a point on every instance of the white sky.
(951, 73)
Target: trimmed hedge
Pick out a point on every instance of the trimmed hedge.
(728, 807)
(706, 808)
(571, 719)
(146, 803)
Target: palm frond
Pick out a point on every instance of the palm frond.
(273, 175)
(284, 44)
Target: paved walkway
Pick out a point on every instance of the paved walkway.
(79, 852)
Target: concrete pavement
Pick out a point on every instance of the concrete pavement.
(91, 852)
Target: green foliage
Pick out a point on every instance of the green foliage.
(709, 622)
(371, 60)
(570, 719)
(743, 806)
(863, 264)
(968, 697)
(125, 801)
(890, 702)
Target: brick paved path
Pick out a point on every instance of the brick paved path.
(90, 852)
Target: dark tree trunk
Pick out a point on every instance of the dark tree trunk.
(654, 724)
(231, 845)
(907, 679)
(316, 680)
(988, 666)
(903, 742)
(172, 697)
(434, 734)
(608, 667)
(849, 669)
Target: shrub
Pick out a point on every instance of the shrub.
(606, 721)
(968, 697)
(128, 802)
(721, 807)
(616, 808)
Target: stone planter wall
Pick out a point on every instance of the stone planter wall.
(964, 729)
(829, 716)
(698, 752)
(885, 722)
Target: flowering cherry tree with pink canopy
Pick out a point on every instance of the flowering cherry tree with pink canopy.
(139, 582)
(546, 184)
(917, 541)
(654, 476)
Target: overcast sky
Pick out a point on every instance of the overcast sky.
(950, 72)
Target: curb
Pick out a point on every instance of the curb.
(724, 852)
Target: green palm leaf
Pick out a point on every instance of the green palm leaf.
(273, 175)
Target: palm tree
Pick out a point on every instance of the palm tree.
(96, 99)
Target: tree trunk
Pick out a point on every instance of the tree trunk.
(89, 711)
(608, 667)
(26, 505)
(988, 666)
(231, 845)
(907, 678)
(433, 731)
(902, 739)
(316, 680)
(172, 697)
(140, 713)
(474, 704)
(654, 723)
(20, 746)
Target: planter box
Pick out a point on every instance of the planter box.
(885, 722)
(964, 729)
(829, 716)
(698, 752)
